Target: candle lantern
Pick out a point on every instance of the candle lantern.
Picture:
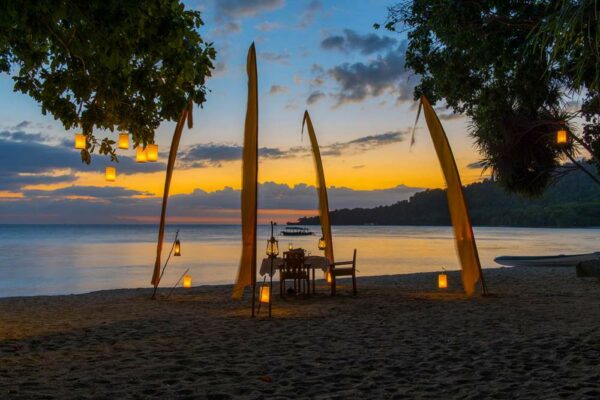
(187, 281)
(124, 140)
(111, 174)
(562, 137)
(442, 281)
(291, 246)
(265, 293)
(177, 249)
(152, 152)
(322, 244)
(141, 155)
(80, 141)
(272, 247)
(328, 276)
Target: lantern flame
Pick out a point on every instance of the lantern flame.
(187, 281)
(124, 140)
(265, 293)
(322, 244)
(442, 281)
(80, 141)
(152, 152)
(141, 156)
(561, 136)
(177, 250)
(111, 174)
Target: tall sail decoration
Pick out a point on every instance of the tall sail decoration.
(459, 214)
(185, 114)
(321, 188)
(247, 269)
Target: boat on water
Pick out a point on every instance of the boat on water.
(547, 261)
(296, 231)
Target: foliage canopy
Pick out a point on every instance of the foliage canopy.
(106, 64)
(511, 66)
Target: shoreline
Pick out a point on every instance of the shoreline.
(537, 336)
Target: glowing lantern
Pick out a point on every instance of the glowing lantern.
(141, 156)
(272, 247)
(265, 293)
(328, 277)
(291, 246)
(322, 244)
(187, 281)
(177, 249)
(152, 152)
(124, 140)
(111, 174)
(442, 281)
(561, 136)
(80, 141)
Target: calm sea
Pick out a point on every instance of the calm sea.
(55, 259)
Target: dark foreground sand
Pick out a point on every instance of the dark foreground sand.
(537, 337)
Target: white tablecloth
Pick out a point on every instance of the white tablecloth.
(314, 262)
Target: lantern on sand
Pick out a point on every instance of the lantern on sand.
(442, 281)
(561, 136)
(265, 293)
(177, 249)
(80, 141)
(141, 155)
(187, 281)
(322, 244)
(152, 152)
(111, 174)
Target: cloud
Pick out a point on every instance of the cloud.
(276, 89)
(282, 58)
(352, 41)
(383, 75)
(364, 143)
(213, 154)
(268, 26)
(231, 9)
(308, 16)
(88, 204)
(314, 97)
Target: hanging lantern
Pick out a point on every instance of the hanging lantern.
(80, 141)
(291, 246)
(141, 156)
(111, 174)
(152, 152)
(322, 244)
(328, 276)
(124, 140)
(272, 247)
(265, 293)
(442, 281)
(561, 137)
(187, 281)
(177, 249)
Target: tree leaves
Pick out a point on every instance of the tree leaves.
(114, 64)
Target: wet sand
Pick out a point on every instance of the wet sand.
(537, 336)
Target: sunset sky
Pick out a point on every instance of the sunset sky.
(323, 56)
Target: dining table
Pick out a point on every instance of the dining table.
(312, 263)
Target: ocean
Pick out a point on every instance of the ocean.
(69, 259)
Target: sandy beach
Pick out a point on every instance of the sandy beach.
(537, 336)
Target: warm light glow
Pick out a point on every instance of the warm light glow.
(328, 276)
(442, 281)
(291, 246)
(177, 250)
(265, 293)
(80, 141)
(322, 244)
(187, 281)
(111, 174)
(152, 152)
(141, 155)
(123, 140)
(272, 247)
(561, 136)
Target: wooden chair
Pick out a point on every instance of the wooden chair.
(335, 272)
(293, 268)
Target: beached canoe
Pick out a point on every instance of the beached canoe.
(547, 261)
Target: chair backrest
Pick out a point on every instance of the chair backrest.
(293, 260)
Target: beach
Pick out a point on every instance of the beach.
(536, 336)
